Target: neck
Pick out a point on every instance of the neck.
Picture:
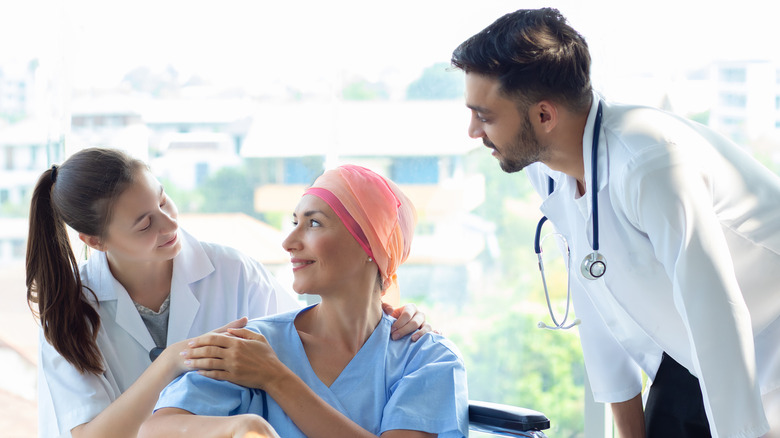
(347, 321)
(147, 283)
(566, 152)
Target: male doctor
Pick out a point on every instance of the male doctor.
(688, 231)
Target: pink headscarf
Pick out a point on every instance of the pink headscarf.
(374, 210)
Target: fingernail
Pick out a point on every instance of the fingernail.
(191, 343)
(183, 352)
(188, 363)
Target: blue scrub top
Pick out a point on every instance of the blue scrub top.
(388, 384)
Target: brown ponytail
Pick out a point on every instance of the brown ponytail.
(80, 193)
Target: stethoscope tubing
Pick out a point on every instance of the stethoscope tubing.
(594, 256)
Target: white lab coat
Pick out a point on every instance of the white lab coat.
(690, 228)
(211, 286)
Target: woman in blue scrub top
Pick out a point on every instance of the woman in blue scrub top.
(114, 326)
(334, 371)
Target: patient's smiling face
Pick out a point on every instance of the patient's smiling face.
(324, 255)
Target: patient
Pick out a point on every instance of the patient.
(330, 369)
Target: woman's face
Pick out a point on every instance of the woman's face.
(324, 255)
(143, 225)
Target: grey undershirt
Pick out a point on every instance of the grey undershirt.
(156, 322)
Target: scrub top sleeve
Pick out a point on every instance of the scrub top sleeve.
(432, 395)
(201, 395)
(673, 206)
(72, 398)
(613, 375)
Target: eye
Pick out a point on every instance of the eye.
(149, 225)
(481, 118)
(314, 223)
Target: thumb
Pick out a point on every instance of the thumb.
(232, 325)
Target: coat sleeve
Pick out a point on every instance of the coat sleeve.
(670, 198)
(613, 375)
(266, 295)
(66, 397)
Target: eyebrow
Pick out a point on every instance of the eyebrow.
(310, 213)
(479, 109)
(142, 216)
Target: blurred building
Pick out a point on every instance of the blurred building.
(747, 99)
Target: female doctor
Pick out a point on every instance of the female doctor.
(114, 328)
(685, 222)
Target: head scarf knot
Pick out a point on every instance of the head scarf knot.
(374, 210)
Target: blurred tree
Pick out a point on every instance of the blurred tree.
(157, 84)
(437, 82)
(361, 89)
(228, 191)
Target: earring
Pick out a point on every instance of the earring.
(370, 259)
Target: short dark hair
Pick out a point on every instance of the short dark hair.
(534, 54)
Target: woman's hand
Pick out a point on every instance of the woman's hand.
(408, 320)
(239, 356)
(175, 354)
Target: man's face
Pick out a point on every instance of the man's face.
(501, 125)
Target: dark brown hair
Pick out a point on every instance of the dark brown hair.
(534, 54)
(80, 193)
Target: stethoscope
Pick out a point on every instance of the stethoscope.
(594, 265)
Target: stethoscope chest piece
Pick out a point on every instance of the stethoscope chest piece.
(593, 266)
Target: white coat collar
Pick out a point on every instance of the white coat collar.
(190, 265)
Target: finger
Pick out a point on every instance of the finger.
(246, 334)
(205, 352)
(234, 324)
(215, 374)
(206, 364)
(216, 339)
(405, 315)
(387, 308)
(418, 320)
(426, 328)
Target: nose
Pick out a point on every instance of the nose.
(291, 242)
(475, 128)
(169, 224)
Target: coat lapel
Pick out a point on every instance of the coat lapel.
(192, 264)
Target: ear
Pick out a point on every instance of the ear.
(93, 242)
(545, 115)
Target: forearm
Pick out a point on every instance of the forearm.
(309, 412)
(629, 417)
(172, 422)
(124, 416)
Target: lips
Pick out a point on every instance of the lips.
(170, 242)
(300, 263)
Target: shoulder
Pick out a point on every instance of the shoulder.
(274, 323)
(430, 348)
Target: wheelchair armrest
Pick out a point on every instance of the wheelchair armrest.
(495, 417)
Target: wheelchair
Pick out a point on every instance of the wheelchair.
(506, 420)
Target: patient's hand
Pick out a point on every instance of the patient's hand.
(408, 320)
(239, 356)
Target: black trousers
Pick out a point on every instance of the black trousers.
(675, 408)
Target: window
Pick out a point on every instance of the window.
(734, 100)
(733, 74)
